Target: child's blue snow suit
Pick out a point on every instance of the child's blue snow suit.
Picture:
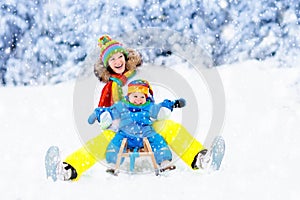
(135, 124)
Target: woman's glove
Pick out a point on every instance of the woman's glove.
(105, 119)
(179, 103)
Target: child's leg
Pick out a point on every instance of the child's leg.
(113, 149)
(160, 148)
(85, 157)
(179, 139)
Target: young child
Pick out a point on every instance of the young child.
(115, 66)
(134, 112)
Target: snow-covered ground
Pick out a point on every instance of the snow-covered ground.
(261, 130)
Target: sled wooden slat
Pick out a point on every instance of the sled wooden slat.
(145, 151)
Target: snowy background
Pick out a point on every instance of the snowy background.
(47, 41)
(261, 131)
(254, 45)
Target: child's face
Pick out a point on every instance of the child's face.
(137, 98)
(117, 63)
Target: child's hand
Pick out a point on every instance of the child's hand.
(179, 103)
(92, 118)
(167, 104)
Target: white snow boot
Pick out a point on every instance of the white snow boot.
(202, 160)
(65, 172)
(57, 169)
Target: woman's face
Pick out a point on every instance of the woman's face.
(117, 63)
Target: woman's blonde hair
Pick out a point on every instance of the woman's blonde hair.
(133, 60)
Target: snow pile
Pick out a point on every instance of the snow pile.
(261, 131)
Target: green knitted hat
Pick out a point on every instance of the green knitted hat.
(108, 48)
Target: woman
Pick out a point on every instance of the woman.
(115, 66)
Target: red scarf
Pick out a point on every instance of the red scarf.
(112, 91)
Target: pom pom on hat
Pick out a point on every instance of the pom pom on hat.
(108, 48)
(140, 85)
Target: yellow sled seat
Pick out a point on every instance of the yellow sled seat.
(93, 151)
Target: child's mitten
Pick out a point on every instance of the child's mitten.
(92, 118)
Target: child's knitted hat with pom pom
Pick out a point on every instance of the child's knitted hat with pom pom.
(140, 85)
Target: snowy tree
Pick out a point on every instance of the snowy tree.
(49, 42)
(44, 41)
(15, 22)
